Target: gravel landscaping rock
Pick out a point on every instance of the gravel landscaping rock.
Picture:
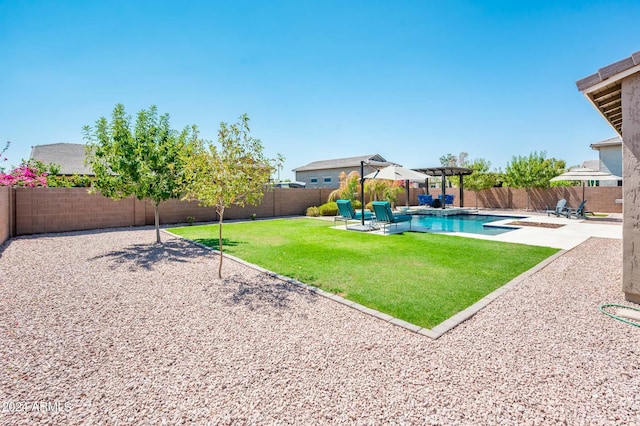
(105, 327)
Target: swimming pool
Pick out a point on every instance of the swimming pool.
(470, 223)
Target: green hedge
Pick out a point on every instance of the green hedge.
(329, 209)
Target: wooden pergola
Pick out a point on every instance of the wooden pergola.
(444, 172)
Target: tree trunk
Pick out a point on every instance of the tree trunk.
(221, 215)
(156, 214)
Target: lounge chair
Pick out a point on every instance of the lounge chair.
(448, 199)
(347, 213)
(577, 212)
(425, 200)
(385, 216)
(560, 209)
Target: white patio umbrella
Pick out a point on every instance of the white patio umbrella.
(395, 172)
(584, 174)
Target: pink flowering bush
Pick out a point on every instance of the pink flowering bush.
(23, 175)
(29, 173)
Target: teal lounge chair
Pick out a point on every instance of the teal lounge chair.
(385, 216)
(346, 213)
(560, 209)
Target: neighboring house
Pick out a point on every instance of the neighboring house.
(326, 173)
(69, 156)
(610, 158)
(591, 164)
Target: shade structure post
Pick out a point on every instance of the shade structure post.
(444, 190)
(443, 172)
(461, 190)
(362, 190)
(406, 188)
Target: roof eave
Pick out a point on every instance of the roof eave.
(603, 89)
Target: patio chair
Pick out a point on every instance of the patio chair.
(347, 213)
(559, 210)
(425, 200)
(448, 199)
(385, 216)
(577, 212)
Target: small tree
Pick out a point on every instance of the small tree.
(349, 188)
(451, 160)
(234, 173)
(534, 171)
(144, 161)
(382, 190)
(2, 157)
(448, 160)
(481, 178)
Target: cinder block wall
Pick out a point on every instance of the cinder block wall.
(599, 199)
(5, 211)
(39, 210)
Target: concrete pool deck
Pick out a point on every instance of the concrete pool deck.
(568, 234)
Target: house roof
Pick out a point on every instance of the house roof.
(342, 163)
(604, 88)
(69, 156)
(616, 141)
(591, 164)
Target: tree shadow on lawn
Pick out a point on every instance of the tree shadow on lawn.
(264, 291)
(215, 242)
(146, 255)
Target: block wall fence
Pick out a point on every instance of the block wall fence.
(5, 214)
(25, 211)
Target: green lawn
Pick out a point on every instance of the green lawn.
(421, 278)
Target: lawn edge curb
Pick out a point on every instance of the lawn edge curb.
(433, 333)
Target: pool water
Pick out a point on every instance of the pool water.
(470, 223)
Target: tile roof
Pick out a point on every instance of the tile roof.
(604, 88)
(609, 71)
(69, 156)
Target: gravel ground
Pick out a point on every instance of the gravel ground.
(106, 327)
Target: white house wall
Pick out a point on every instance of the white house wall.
(611, 159)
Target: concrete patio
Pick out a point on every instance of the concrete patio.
(568, 233)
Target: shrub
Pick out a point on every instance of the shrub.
(329, 209)
(313, 211)
(24, 175)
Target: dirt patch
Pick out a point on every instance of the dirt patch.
(536, 224)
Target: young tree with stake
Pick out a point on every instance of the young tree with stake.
(233, 172)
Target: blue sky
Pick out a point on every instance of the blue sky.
(409, 80)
